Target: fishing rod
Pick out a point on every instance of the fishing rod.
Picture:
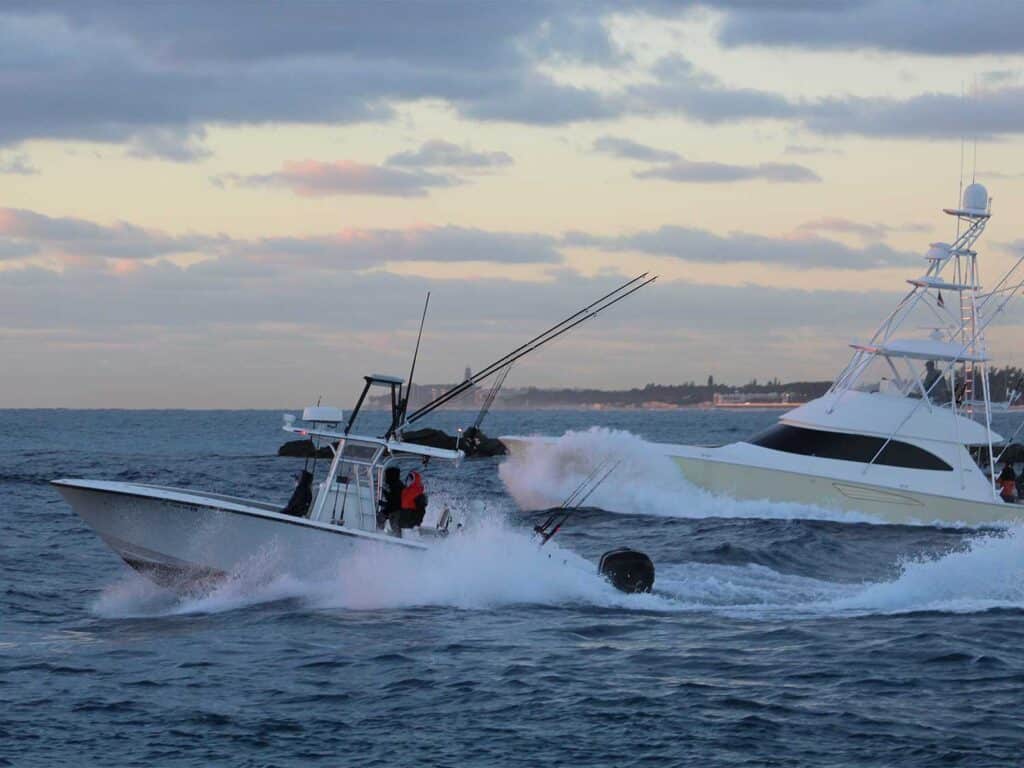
(557, 519)
(399, 414)
(552, 333)
(489, 400)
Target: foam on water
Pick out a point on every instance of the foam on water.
(542, 473)
(493, 566)
(488, 566)
(988, 572)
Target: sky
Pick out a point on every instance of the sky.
(241, 204)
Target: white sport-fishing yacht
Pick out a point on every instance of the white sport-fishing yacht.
(178, 536)
(904, 433)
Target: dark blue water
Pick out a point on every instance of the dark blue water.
(772, 640)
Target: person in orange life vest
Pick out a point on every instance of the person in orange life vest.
(414, 501)
(1007, 483)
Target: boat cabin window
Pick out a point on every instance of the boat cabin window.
(839, 445)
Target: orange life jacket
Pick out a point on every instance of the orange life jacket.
(411, 491)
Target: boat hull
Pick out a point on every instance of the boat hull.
(180, 538)
(892, 505)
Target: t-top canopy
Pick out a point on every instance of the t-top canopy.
(922, 349)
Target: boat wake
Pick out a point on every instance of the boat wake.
(494, 566)
(987, 573)
(540, 474)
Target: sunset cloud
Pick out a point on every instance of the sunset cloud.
(312, 178)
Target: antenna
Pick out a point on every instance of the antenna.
(412, 368)
(963, 138)
(974, 170)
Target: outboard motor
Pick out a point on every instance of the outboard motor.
(628, 570)
(302, 496)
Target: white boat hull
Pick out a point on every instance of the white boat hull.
(177, 537)
(891, 505)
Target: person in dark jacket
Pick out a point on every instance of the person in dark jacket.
(391, 500)
(1007, 481)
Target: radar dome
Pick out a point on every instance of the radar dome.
(975, 198)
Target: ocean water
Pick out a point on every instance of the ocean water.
(778, 635)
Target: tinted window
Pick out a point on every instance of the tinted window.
(837, 445)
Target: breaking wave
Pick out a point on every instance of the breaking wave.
(542, 473)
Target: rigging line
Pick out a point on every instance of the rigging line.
(536, 343)
(540, 338)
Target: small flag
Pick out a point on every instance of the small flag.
(940, 301)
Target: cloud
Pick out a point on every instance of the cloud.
(312, 178)
(632, 150)
(179, 144)
(678, 87)
(11, 249)
(142, 76)
(233, 337)
(675, 167)
(804, 149)
(362, 248)
(701, 246)
(859, 229)
(929, 115)
(444, 154)
(948, 28)
(18, 165)
(24, 233)
(110, 72)
(689, 171)
(80, 237)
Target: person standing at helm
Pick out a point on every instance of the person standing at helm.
(935, 384)
(414, 501)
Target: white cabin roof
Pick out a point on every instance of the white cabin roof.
(922, 349)
(878, 413)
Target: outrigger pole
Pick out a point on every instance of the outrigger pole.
(552, 333)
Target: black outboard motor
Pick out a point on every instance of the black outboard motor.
(302, 496)
(628, 570)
